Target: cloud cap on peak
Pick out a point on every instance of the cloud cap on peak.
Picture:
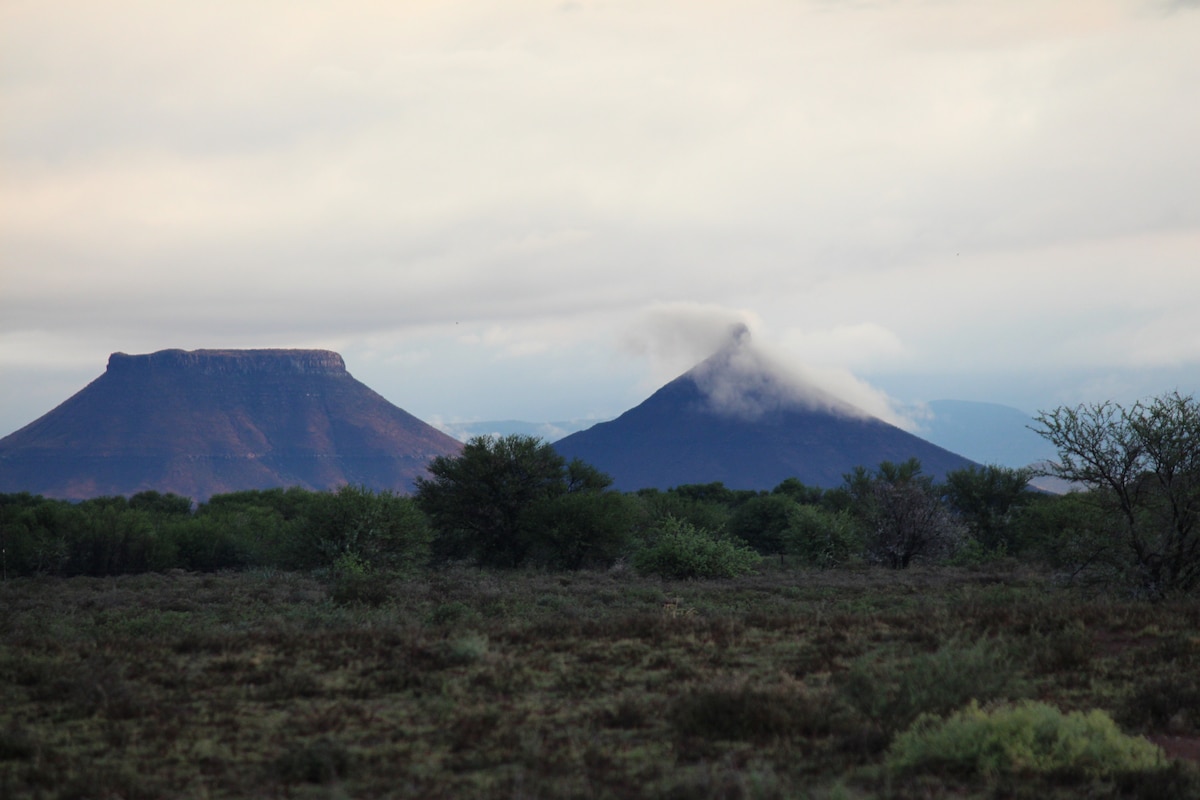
(734, 359)
(744, 381)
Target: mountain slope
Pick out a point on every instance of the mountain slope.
(730, 419)
(204, 422)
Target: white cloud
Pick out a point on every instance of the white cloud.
(948, 192)
(851, 346)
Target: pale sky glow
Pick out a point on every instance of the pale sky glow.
(545, 210)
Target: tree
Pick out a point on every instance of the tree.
(799, 491)
(502, 498)
(762, 521)
(162, 505)
(585, 527)
(903, 518)
(378, 530)
(1144, 463)
(680, 550)
(818, 537)
(987, 499)
(657, 505)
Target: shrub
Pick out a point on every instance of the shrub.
(115, 540)
(464, 650)
(488, 502)
(579, 529)
(355, 583)
(821, 538)
(893, 695)
(1028, 738)
(204, 544)
(762, 522)
(902, 514)
(380, 529)
(752, 713)
(681, 550)
(452, 613)
(1170, 703)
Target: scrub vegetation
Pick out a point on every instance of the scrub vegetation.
(518, 629)
(467, 682)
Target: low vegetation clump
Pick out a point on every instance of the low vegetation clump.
(1028, 738)
(895, 692)
(681, 550)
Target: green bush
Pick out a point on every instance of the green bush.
(681, 550)
(353, 582)
(115, 540)
(703, 510)
(204, 544)
(579, 529)
(894, 694)
(1028, 738)
(762, 522)
(1169, 703)
(820, 538)
(487, 502)
(1071, 532)
(382, 530)
(31, 534)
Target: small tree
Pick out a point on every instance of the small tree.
(902, 516)
(1144, 463)
(680, 550)
(762, 522)
(504, 499)
(579, 529)
(987, 500)
(378, 530)
(821, 538)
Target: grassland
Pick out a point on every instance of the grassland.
(467, 683)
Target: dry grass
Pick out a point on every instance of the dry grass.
(482, 684)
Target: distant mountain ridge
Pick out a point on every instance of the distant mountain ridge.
(203, 422)
(989, 433)
(731, 419)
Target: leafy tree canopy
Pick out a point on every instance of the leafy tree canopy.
(1145, 462)
(492, 501)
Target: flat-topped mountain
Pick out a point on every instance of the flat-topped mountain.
(734, 419)
(204, 422)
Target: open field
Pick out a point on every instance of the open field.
(468, 683)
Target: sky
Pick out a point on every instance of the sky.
(546, 210)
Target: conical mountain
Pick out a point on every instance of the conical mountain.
(735, 419)
(205, 422)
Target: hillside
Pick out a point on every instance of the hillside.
(732, 419)
(203, 422)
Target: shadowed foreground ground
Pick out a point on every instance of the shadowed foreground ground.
(524, 685)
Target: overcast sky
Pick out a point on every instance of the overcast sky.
(545, 210)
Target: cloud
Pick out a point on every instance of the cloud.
(741, 371)
(849, 345)
(674, 337)
(877, 190)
